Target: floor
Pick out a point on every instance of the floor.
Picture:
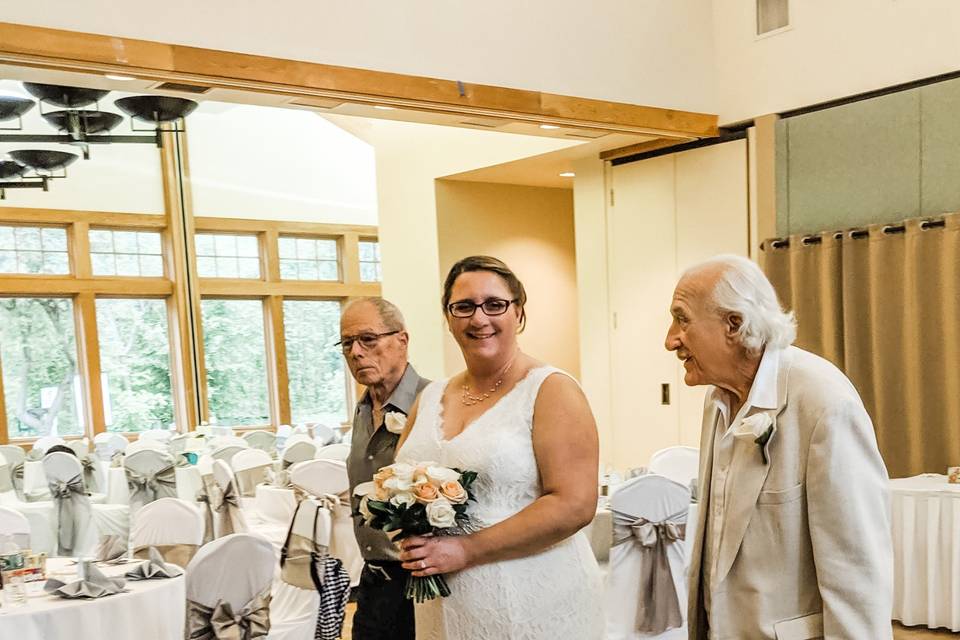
(899, 632)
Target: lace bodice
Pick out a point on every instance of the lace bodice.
(551, 594)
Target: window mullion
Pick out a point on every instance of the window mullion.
(88, 348)
(277, 373)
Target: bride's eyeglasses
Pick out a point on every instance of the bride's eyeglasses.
(490, 306)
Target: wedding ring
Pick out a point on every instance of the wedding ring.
(423, 565)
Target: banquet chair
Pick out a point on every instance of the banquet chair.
(44, 443)
(680, 464)
(15, 457)
(298, 452)
(227, 515)
(649, 515)
(324, 435)
(108, 444)
(72, 509)
(150, 475)
(295, 438)
(250, 469)
(145, 445)
(347, 437)
(262, 440)
(15, 524)
(230, 579)
(173, 526)
(284, 432)
(178, 444)
(226, 452)
(322, 478)
(334, 452)
(80, 447)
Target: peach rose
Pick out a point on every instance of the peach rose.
(454, 492)
(426, 493)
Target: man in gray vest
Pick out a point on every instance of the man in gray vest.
(374, 342)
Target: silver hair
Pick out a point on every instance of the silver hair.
(742, 288)
(389, 312)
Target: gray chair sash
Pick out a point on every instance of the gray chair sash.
(16, 477)
(116, 459)
(145, 488)
(221, 623)
(178, 554)
(659, 607)
(70, 498)
(89, 473)
(208, 489)
(225, 504)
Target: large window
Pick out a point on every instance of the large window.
(125, 253)
(135, 360)
(315, 367)
(33, 250)
(308, 259)
(40, 377)
(233, 347)
(227, 256)
(370, 261)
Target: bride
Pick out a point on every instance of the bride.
(526, 428)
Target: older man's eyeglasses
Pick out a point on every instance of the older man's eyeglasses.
(366, 340)
(490, 306)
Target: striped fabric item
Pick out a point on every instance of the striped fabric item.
(333, 600)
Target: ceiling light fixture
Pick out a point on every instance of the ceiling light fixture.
(383, 107)
(567, 174)
(549, 127)
(115, 76)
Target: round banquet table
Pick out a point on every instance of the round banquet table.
(926, 551)
(148, 610)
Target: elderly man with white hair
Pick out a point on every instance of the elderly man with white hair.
(793, 539)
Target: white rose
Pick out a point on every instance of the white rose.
(753, 426)
(440, 514)
(395, 421)
(364, 509)
(403, 498)
(403, 471)
(397, 484)
(440, 475)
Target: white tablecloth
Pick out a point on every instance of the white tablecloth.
(150, 609)
(926, 551)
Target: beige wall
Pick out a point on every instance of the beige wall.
(531, 229)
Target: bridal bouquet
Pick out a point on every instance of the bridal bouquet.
(414, 500)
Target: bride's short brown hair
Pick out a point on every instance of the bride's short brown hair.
(493, 265)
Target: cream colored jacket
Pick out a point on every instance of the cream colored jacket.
(805, 550)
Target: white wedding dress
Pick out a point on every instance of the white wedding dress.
(554, 594)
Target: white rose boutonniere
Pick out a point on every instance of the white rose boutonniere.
(760, 428)
(395, 421)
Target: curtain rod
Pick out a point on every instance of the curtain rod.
(855, 234)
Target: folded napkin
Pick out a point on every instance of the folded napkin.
(111, 548)
(155, 567)
(96, 585)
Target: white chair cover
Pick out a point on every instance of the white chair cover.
(235, 570)
(302, 429)
(324, 435)
(226, 452)
(299, 452)
(321, 477)
(297, 437)
(80, 447)
(334, 452)
(262, 440)
(250, 469)
(680, 464)
(228, 516)
(166, 523)
(205, 465)
(15, 524)
(145, 445)
(347, 437)
(655, 499)
(15, 458)
(108, 444)
(150, 475)
(72, 510)
(44, 443)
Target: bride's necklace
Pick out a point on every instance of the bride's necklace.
(468, 399)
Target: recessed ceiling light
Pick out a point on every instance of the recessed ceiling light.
(114, 76)
(568, 174)
(383, 107)
(549, 126)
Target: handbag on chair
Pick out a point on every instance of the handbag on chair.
(307, 543)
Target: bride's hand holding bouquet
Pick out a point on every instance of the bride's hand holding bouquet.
(421, 505)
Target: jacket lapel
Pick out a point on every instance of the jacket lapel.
(695, 612)
(748, 473)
